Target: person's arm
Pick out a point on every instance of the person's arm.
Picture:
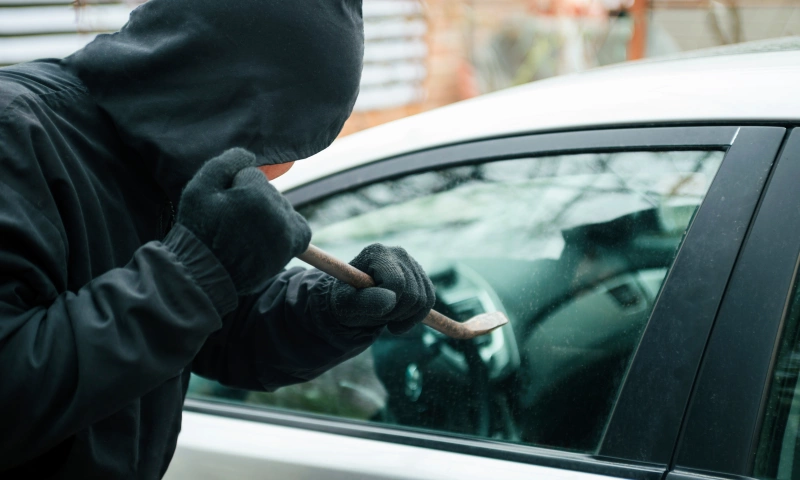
(71, 358)
(305, 322)
(283, 336)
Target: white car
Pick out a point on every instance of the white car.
(638, 224)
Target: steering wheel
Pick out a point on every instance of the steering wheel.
(437, 382)
(441, 384)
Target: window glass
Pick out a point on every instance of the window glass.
(573, 249)
(778, 453)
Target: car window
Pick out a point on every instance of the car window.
(574, 249)
(778, 451)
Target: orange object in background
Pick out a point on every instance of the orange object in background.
(638, 44)
(274, 171)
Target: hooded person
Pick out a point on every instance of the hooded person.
(139, 243)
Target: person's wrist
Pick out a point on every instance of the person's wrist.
(203, 267)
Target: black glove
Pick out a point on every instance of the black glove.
(249, 226)
(402, 297)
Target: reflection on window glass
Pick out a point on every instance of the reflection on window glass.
(778, 454)
(573, 249)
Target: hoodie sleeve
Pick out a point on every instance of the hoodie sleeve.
(71, 358)
(281, 337)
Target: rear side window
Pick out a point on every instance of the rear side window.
(574, 249)
(778, 451)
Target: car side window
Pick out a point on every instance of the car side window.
(778, 450)
(574, 249)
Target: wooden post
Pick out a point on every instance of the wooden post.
(638, 43)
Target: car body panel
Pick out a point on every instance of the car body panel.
(745, 88)
(232, 448)
(733, 380)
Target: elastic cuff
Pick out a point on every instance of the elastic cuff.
(204, 268)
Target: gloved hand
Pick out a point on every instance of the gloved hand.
(402, 297)
(249, 226)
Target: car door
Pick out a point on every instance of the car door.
(743, 417)
(609, 250)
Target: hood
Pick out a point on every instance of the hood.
(185, 80)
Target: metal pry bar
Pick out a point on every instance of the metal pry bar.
(474, 327)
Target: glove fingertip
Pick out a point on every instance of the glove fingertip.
(238, 158)
(220, 171)
(367, 255)
(250, 176)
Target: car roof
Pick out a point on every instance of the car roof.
(741, 87)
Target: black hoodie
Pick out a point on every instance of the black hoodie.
(101, 323)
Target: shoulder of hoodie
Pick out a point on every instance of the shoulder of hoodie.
(29, 94)
(45, 83)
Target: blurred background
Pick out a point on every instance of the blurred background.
(422, 54)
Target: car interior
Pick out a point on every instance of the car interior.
(551, 376)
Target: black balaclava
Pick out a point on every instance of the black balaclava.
(185, 80)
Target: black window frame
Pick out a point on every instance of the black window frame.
(634, 445)
(721, 437)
